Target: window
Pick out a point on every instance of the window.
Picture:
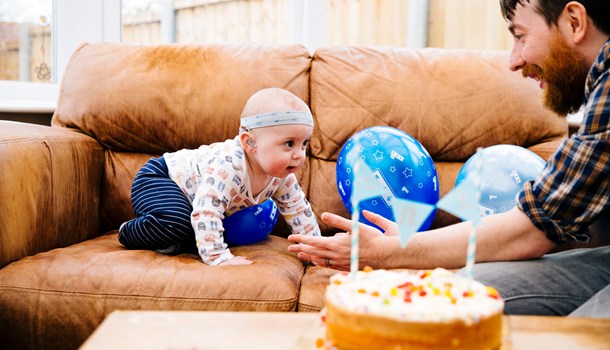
(475, 24)
(25, 40)
(26, 52)
(206, 21)
(71, 22)
(313, 23)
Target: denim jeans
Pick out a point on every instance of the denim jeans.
(570, 283)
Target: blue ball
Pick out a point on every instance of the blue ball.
(504, 170)
(250, 225)
(402, 164)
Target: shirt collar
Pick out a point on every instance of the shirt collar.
(601, 65)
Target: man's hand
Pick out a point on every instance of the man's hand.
(334, 252)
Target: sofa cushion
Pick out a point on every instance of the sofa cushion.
(313, 288)
(451, 101)
(148, 100)
(154, 99)
(120, 169)
(60, 296)
(443, 98)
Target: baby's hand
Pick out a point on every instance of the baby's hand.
(237, 260)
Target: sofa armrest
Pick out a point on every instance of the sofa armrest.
(50, 188)
(546, 149)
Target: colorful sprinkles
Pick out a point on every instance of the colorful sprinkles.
(428, 294)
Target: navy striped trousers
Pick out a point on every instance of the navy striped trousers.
(163, 212)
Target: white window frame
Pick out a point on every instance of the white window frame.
(308, 23)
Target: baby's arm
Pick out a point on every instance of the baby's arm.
(295, 208)
(209, 235)
(219, 183)
(221, 179)
(206, 219)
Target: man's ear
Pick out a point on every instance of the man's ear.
(576, 18)
(247, 142)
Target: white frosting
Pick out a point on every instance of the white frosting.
(428, 296)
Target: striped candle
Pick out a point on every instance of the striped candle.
(471, 252)
(355, 199)
(355, 243)
(472, 238)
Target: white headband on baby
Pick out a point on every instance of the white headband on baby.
(276, 118)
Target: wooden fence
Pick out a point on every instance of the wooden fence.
(472, 24)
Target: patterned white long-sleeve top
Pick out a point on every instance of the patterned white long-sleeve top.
(215, 180)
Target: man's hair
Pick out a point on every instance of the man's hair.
(597, 10)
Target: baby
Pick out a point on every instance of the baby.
(181, 198)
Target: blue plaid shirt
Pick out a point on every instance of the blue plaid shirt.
(573, 190)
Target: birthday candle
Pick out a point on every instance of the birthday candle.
(471, 252)
(354, 256)
(472, 238)
(355, 243)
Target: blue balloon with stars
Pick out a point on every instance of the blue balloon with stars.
(250, 225)
(398, 161)
(503, 171)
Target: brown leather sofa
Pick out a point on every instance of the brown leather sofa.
(65, 189)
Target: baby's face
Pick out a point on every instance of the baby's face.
(280, 150)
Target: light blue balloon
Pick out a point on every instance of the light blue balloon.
(398, 161)
(504, 170)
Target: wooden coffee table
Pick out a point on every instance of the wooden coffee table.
(283, 330)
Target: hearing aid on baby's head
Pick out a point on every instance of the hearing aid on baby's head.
(250, 143)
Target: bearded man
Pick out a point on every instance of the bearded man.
(565, 45)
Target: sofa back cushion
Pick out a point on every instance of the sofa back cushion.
(451, 101)
(139, 101)
(155, 99)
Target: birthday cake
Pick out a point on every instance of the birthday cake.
(399, 309)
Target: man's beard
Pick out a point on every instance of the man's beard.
(564, 73)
